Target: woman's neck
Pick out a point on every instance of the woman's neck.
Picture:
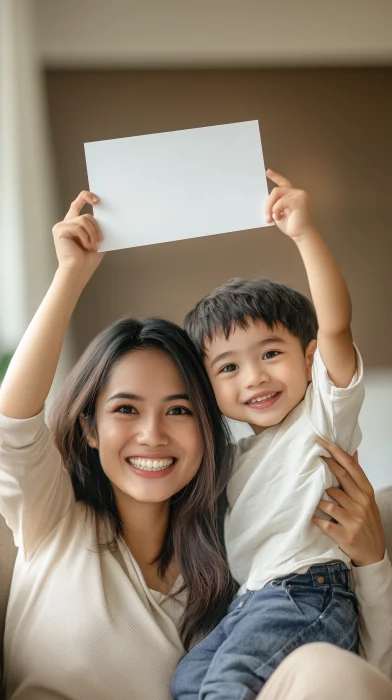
(144, 531)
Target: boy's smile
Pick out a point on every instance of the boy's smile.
(259, 375)
(263, 400)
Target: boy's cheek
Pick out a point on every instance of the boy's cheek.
(224, 397)
(217, 389)
(217, 386)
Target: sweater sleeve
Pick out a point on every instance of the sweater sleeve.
(35, 490)
(373, 588)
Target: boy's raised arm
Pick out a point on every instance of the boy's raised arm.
(290, 210)
(33, 366)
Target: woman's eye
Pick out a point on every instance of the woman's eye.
(270, 354)
(126, 409)
(179, 411)
(229, 368)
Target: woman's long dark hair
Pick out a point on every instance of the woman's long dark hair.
(194, 533)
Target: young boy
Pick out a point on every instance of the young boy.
(292, 372)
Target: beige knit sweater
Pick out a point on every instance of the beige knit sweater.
(81, 623)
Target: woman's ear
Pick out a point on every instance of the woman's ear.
(91, 439)
(309, 356)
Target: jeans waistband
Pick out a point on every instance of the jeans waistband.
(334, 573)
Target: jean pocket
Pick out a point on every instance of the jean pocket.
(311, 602)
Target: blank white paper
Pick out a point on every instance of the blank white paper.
(178, 184)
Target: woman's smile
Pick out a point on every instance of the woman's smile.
(151, 467)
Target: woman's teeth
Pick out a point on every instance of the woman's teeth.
(151, 465)
(260, 399)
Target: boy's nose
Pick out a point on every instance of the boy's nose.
(256, 376)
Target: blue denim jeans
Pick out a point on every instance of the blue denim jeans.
(262, 627)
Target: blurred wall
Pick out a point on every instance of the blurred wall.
(213, 32)
(326, 129)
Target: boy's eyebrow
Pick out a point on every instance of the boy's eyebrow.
(136, 397)
(222, 356)
(228, 353)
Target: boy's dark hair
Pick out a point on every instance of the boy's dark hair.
(240, 301)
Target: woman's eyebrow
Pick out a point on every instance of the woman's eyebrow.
(136, 397)
(125, 395)
(176, 397)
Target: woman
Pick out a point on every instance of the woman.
(120, 567)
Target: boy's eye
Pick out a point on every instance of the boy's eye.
(270, 354)
(179, 411)
(127, 409)
(229, 368)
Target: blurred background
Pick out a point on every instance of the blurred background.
(317, 76)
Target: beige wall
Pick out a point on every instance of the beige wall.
(326, 129)
(135, 33)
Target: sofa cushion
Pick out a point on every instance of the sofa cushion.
(384, 502)
(7, 559)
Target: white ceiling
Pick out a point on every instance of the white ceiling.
(213, 32)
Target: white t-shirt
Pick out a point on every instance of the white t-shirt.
(279, 478)
(81, 623)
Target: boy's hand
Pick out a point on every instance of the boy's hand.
(288, 208)
(76, 238)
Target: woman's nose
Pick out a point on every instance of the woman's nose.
(152, 433)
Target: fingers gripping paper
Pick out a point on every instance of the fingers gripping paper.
(177, 185)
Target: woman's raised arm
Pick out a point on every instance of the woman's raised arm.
(30, 375)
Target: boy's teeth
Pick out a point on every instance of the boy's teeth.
(260, 399)
(150, 464)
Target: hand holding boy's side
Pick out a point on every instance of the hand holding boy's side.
(356, 526)
(289, 208)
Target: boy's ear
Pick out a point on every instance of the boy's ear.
(309, 356)
(91, 439)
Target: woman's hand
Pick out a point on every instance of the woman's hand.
(76, 238)
(356, 525)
